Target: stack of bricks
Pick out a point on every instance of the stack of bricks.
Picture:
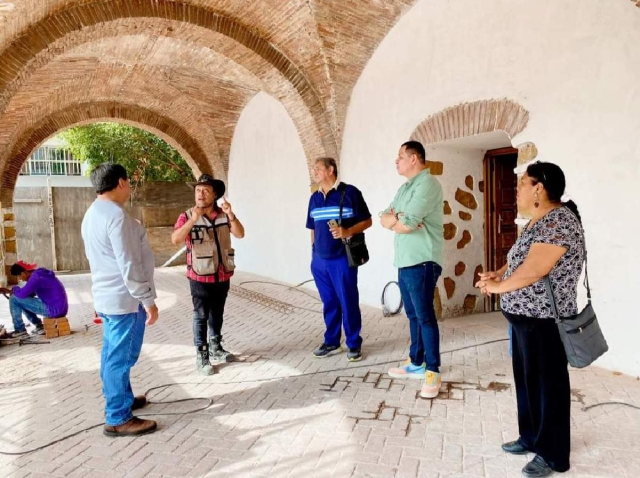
(56, 327)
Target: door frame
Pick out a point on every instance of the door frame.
(489, 217)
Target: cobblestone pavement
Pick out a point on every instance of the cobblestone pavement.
(280, 412)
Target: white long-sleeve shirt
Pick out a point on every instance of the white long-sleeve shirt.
(120, 259)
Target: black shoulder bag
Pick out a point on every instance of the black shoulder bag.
(581, 335)
(356, 247)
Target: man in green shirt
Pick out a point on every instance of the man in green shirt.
(416, 217)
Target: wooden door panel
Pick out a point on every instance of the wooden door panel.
(501, 210)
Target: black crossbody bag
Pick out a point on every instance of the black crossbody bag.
(581, 335)
(356, 247)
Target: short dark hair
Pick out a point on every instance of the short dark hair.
(106, 177)
(415, 147)
(17, 269)
(329, 163)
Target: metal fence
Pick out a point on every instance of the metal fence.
(51, 161)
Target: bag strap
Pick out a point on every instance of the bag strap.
(586, 262)
(547, 280)
(547, 283)
(342, 194)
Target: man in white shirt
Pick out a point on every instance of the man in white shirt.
(122, 266)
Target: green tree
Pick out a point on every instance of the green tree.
(145, 156)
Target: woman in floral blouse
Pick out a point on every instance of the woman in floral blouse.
(551, 243)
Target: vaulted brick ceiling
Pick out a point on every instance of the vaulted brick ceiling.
(184, 69)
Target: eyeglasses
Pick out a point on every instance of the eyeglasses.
(544, 176)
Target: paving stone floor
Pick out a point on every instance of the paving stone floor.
(279, 412)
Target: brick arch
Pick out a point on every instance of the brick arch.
(147, 88)
(38, 37)
(92, 112)
(316, 138)
(470, 119)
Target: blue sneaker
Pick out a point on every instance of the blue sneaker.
(325, 350)
(408, 370)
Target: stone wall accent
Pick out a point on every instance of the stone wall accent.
(468, 181)
(437, 304)
(476, 274)
(9, 249)
(435, 167)
(467, 199)
(526, 152)
(449, 286)
(469, 119)
(458, 121)
(450, 231)
(466, 239)
(470, 303)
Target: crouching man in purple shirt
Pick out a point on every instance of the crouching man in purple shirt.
(42, 295)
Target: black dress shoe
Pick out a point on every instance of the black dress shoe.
(515, 448)
(537, 468)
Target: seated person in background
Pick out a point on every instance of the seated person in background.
(43, 294)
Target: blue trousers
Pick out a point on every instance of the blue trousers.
(31, 307)
(337, 284)
(417, 286)
(121, 344)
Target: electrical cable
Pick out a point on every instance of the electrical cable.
(385, 310)
(66, 437)
(210, 400)
(586, 409)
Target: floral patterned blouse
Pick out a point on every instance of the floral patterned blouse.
(559, 227)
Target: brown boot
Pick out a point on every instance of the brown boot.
(139, 402)
(135, 426)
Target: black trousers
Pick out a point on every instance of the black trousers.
(208, 309)
(542, 389)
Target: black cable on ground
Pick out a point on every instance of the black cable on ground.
(210, 400)
(66, 437)
(385, 310)
(586, 409)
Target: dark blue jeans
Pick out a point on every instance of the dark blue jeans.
(30, 307)
(417, 286)
(337, 285)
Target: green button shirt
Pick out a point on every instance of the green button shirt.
(420, 200)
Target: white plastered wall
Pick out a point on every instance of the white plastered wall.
(269, 190)
(575, 66)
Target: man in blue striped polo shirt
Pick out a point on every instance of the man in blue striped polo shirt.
(337, 283)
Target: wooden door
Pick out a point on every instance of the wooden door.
(500, 209)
